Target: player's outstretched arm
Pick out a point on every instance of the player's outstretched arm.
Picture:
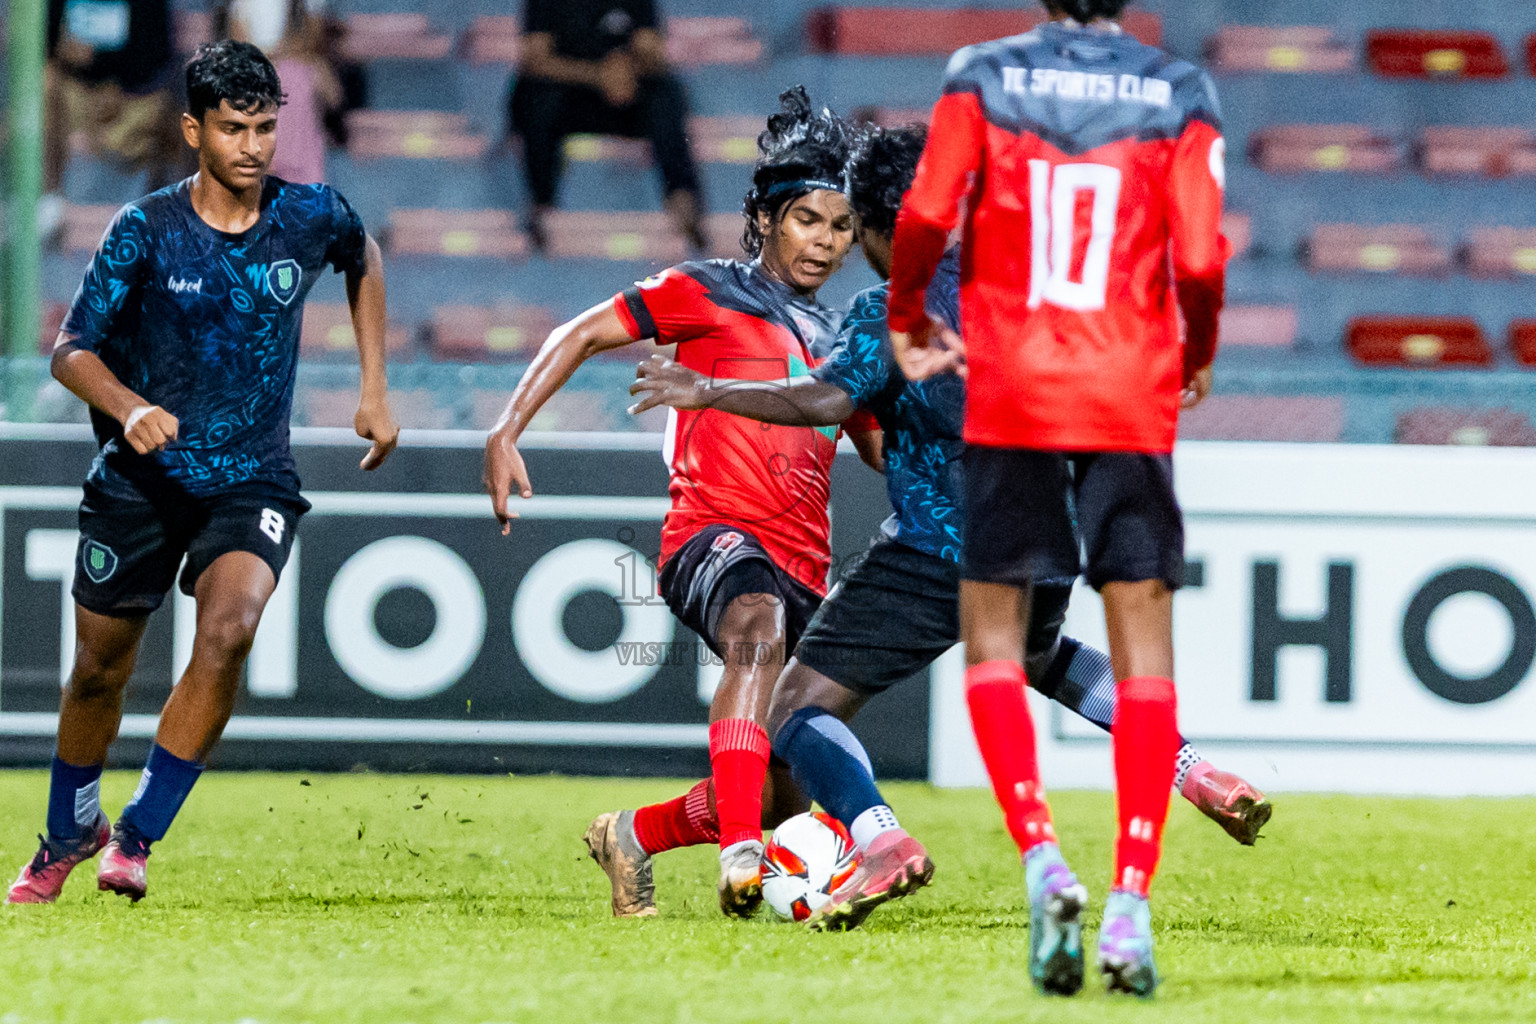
(146, 427)
(597, 330)
(365, 295)
(803, 402)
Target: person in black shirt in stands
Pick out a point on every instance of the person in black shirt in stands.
(600, 67)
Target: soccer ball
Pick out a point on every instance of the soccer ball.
(810, 855)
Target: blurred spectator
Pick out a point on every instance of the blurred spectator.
(600, 66)
(111, 76)
(292, 37)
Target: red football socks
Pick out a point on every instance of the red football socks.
(686, 821)
(1146, 742)
(994, 691)
(738, 756)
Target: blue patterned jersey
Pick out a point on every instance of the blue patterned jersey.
(922, 422)
(205, 324)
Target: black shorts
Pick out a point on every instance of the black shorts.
(896, 610)
(1019, 523)
(719, 564)
(130, 548)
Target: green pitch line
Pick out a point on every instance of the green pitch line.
(366, 898)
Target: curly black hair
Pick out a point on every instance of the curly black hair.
(237, 72)
(1086, 10)
(880, 173)
(800, 152)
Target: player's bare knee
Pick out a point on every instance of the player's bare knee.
(94, 679)
(753, 619)
(225, 636)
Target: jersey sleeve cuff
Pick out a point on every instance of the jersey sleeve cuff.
(633, 315)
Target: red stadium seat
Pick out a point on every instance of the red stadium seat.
(1483, 152)
(1522, 342)
(1238, 227)
(492, 39)
(728, 139)
(1259, 326)
(695, 42)
(1501, 252)
(327, 331)
(84, 225)
(1304, 49)
(907, 31)
(691, 42)
(1530, 53)
(456, 233)
(1264, 418)
(568, 409)
(1444, 425)
(1377, 249)
(1416, 53)
(412, 134)
(393, 37)
(1417, 341)
(635, 236)
(191, 29)
(1291, 148)
(488, 333)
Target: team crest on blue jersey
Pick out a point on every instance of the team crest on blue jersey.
(98, 561)
(283, 279)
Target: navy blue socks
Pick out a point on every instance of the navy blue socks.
(163, 789)
(74, 799)
(831, 765)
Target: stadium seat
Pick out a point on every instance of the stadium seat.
(327, 331)
(1530, 53)
(456, 233)
(413, 134)
(728, 139)
(488, 333)
(398, 36)
(191, 29)
(696, 42)
(1377, 249)
(1238, 227)
(636, 236)
(691, 42)
(1484, 152)
(908, 31)
(1410, 341)
(492, 39)
(1445, 425)
(1416, 53)
(1305, 49)
(84, 224)
(1291, 148)
(1501, 252)
(1317, 418)
(1522, 342)
(1259, 326)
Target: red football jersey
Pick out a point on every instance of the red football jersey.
(732, 320)
(1093, 169)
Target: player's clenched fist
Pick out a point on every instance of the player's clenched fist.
(149, 428)
(374, 422)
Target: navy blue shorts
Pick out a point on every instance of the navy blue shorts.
(1031, 515)
(721, 563)
(896, 611)
(131, 548)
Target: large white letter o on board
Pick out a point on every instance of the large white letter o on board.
(375, 664)
(538, 629)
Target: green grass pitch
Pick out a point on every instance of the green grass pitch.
(368, 898)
